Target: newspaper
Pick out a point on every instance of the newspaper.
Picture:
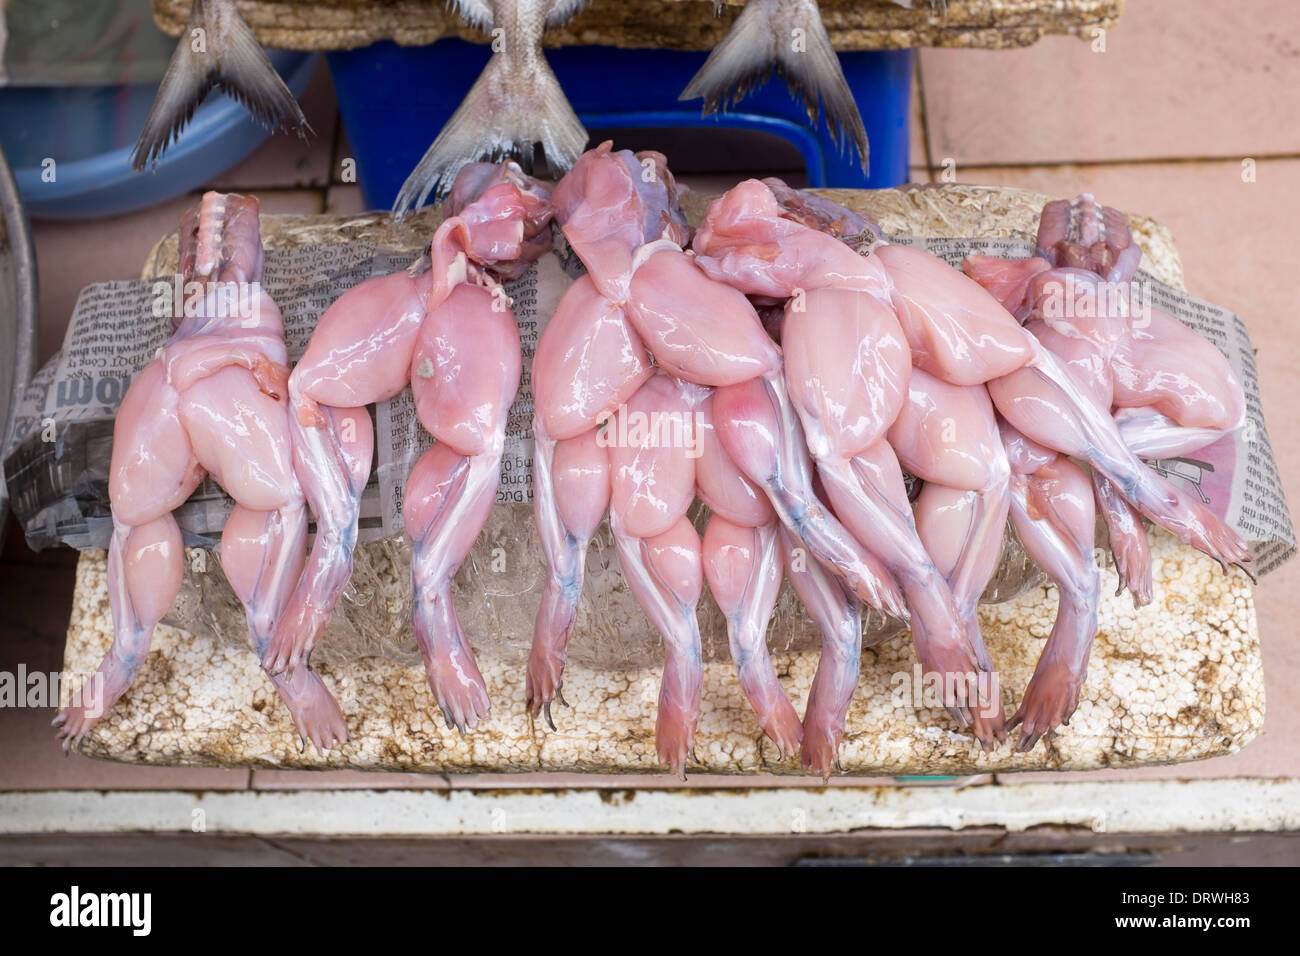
(56, 459)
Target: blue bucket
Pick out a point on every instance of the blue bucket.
(394, 100)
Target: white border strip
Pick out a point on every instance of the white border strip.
(1240, 805)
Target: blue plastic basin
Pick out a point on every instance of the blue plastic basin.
(89, 132)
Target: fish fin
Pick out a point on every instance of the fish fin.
(563, 11)
(228, 57)
(760, 41)
(477, 12)
(496, 120)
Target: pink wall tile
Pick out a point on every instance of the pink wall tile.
(37, 600)
(30, 759)
(916, 122)
(1203, 78)
(345, 780)
(344, 200)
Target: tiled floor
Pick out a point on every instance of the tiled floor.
(1159, 123)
